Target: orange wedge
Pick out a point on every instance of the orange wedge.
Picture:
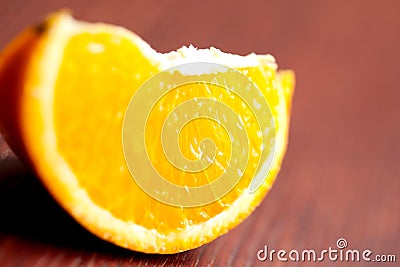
(65, 88)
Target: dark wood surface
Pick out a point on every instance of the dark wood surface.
(341, 175)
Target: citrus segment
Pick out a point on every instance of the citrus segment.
(71, 97)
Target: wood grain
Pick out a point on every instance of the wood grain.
(341, 175)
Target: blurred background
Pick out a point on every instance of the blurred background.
(341, 175)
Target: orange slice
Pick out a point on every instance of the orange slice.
(65, 88)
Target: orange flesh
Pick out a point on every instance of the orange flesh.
(107, 73)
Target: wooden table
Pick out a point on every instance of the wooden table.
(341, 175)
